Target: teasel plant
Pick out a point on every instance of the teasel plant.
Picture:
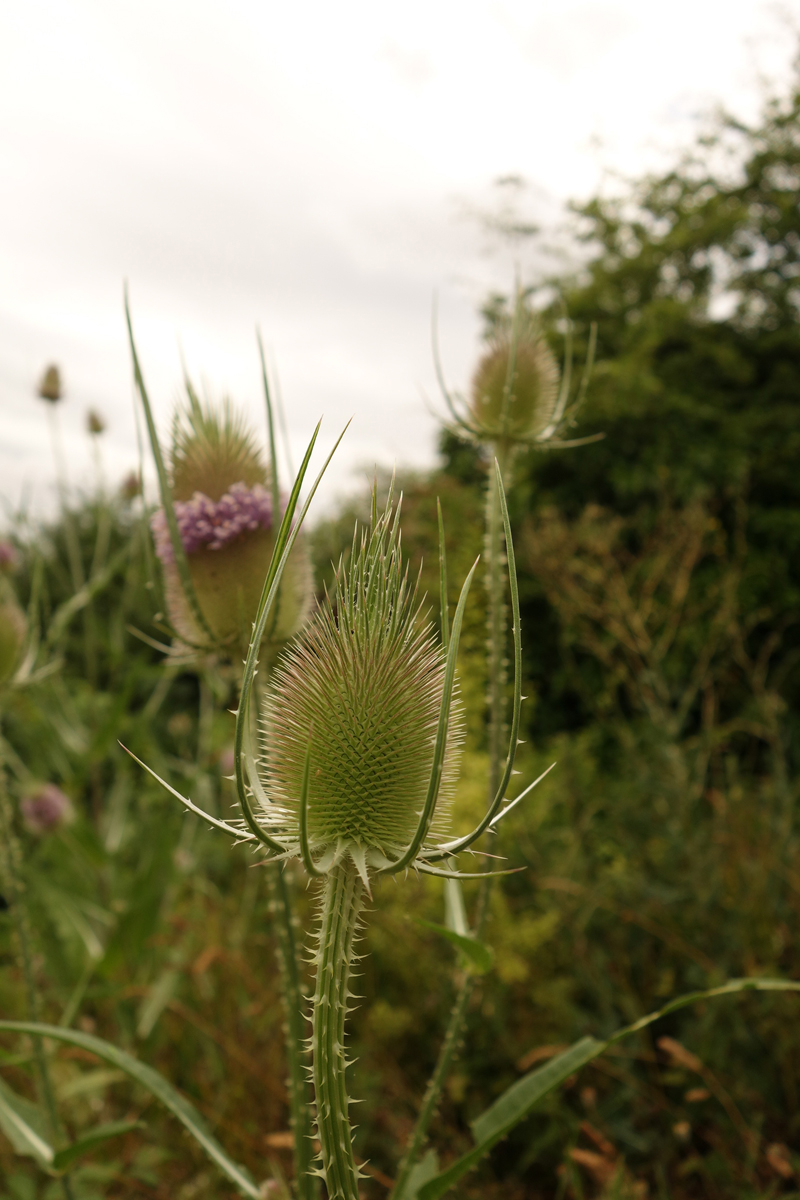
(362, 728)
(215, 535)
(519, 400)
(360, 731)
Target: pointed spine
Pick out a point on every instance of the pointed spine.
(341, 904)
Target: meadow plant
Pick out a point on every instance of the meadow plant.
(360, 728)
(226, 516)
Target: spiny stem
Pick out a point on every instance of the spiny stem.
(496, 646)
(294, 1005)
(447, 1053)
(496, 616)
(10, 865)
(341, 903)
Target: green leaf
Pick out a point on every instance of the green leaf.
(186, 1113)
(91, 1140)
(421, 1172)
(478, 955)
(516, 1103)
(24, 1125)
(156, 1000)
(66, 611)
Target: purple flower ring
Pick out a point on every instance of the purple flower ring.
(213, 523)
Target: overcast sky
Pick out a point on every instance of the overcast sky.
(311, 167)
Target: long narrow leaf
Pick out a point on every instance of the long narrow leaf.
(91, 1140)
(181, 561)
(440, 743)
(284, 543)
(24, 1125)
(186, 1113)
(516, 1103)
(66, 611)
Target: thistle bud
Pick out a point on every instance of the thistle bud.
(50, 385)
(515, 385)
(46, 809)
(360, 691)
(227, 528)
(13, 628)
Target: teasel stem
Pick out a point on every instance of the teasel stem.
(11, 876)
(294, 1007)
(496, 646)
(341, 904)
(447, 1054)
(496, 614)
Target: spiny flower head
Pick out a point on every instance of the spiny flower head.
(46, 809)
(223, 507)
(360, 692)
(516, 383)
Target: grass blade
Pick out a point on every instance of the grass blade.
(517, 1102)
(172, 1100)
(24, 1124)
(181, 561)
(91, 1140)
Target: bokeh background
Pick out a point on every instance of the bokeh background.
(322, 170)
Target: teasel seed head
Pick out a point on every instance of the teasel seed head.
(227, 527)
(360, 693)
(50, 387)
(516, 383)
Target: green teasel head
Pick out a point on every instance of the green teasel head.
(358, 762)
(354, 706)
(519, 395)
(516, 383)
(224, 507)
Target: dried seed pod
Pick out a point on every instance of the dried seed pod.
(94, 423)
(50, 388)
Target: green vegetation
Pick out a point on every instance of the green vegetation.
(659, 576)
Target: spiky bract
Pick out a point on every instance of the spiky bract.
(516, 382)
(227, 526)
(362, 688)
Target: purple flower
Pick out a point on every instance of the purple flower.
(213, 523)
(45, 809)
(8, 555)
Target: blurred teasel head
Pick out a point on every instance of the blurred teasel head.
(46, 808)
(519, 396)
(353, 709)
(95, 424)
(516, 382)
(223, 505)
(50, 387)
